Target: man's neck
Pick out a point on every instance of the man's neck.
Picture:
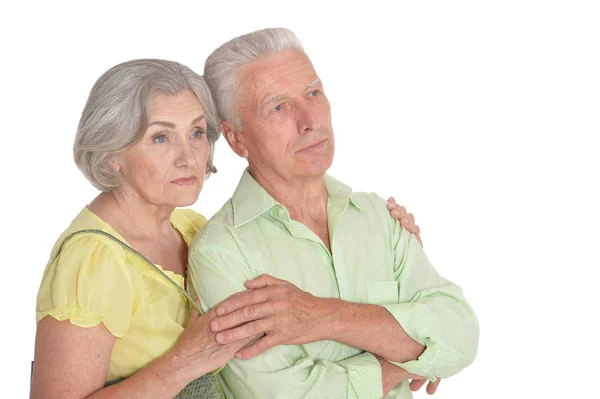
(305, 199)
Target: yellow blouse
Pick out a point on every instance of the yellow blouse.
(95, 280)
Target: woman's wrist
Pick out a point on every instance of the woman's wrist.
(176, 368)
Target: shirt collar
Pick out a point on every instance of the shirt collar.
(339, 191)
(250, 199)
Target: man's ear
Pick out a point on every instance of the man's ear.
(234, 138)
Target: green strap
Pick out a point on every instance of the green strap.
(181, 290)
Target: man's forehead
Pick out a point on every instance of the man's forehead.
(267, 69)
(273, 93)
(276, 75)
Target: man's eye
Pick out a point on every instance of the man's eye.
(277, 108)
(314, 93)
(160, 139)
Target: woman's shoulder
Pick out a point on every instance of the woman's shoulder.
(86, 274)
(90, 237)
(188, 222)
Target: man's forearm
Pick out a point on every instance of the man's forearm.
(368, 327)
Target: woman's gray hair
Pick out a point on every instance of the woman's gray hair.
(222, 67)
(117, 111)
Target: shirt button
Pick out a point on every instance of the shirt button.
(280, 212)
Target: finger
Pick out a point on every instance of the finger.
(251, 339)
(262, 281)
(410, 225)
(400, 209)
(417, 229)
(419, 239)
(411, 217)
(433, 386)
(391, 201)
(242, 332)
(415, 385)
(398, 212)
(245, 315)
(245, 298)
(234, 295)
(241, 344)
(407, 224)
(262, 345)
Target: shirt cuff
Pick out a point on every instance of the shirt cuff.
(418, 322)
(364, 376)
(415, 319)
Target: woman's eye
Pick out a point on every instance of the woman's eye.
(197, 134)
(160, 139)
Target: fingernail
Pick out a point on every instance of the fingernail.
(220, 311)
(219, 338)
(238, 356)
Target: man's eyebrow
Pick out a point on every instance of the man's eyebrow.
(285, 95)
(276, 99)
(172, 125)
(313, 83)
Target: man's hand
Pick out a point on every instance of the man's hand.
(392, 375)
(270, 306)
(417, 383)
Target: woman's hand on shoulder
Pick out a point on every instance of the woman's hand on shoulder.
(407, 220)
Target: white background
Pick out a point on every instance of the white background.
(481, 117)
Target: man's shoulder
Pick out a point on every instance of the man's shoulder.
(366, 201)
(373, 212)
(369, 202)
(217, 229)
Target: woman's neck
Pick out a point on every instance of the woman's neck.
(132, 216)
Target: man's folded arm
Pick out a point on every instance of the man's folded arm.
(286, 370)
(278, 373)
(432, 311)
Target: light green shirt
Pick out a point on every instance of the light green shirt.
(373, 260)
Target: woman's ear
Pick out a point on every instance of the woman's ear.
(114, 165)
(234, 138)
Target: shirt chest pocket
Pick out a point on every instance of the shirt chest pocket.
(382, 292)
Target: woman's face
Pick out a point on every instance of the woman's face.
(167, 166)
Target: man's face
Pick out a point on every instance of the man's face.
(286, 118)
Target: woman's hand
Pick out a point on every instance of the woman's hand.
(199, 349)
(407, 220)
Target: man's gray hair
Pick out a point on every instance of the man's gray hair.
(222, 67)
(117, 111)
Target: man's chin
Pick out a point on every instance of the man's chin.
(317, 169)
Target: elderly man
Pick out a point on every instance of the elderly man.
(349, 304)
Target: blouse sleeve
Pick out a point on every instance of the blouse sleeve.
(88, 283)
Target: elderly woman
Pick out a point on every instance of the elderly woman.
(114, 287)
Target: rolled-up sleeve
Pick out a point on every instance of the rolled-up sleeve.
(285, 371)
(432, 311)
